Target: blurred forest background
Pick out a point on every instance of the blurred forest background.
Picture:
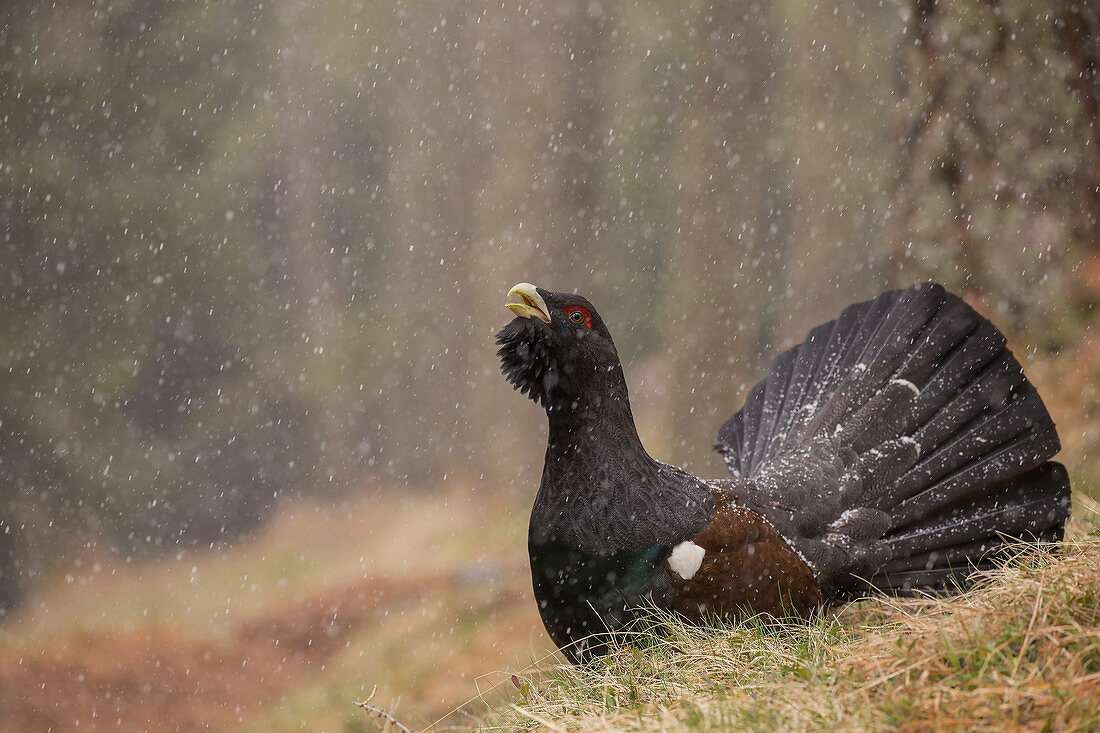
(258, 250)
(253, 250)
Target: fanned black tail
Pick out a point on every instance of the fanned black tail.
(899, 445)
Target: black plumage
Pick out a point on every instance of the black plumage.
(899, 447)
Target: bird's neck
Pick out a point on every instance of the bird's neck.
(601, 492)
(597, 422)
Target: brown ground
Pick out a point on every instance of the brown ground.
(158, 680)
(164, 676)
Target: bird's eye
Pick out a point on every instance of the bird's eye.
(579, 315)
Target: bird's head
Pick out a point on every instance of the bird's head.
(556, 347)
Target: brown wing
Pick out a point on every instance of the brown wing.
(748, 568)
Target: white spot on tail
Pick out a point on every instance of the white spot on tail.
(909, 441)
(685, 559)
(906, 383)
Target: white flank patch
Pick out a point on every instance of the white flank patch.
(686, 558)
(906, 383)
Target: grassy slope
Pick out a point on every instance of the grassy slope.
(1019, 651)
(427, 597)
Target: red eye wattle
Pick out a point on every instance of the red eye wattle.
(579, 315)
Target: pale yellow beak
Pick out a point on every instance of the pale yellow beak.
(531, 306)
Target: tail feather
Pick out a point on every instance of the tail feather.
(947, 569)
(951, 332)
(813, 362)
(941, 552)
(899, 331)
(1025, 450)
(852, 373)
(944, 418)
(991, 548)
(1021, 507)
(898, 437)
(991, 446)
(771, 403)
(910, 582)
(944, 375)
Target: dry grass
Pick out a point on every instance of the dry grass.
(1019, 651)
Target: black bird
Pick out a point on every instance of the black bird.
(898, 448)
